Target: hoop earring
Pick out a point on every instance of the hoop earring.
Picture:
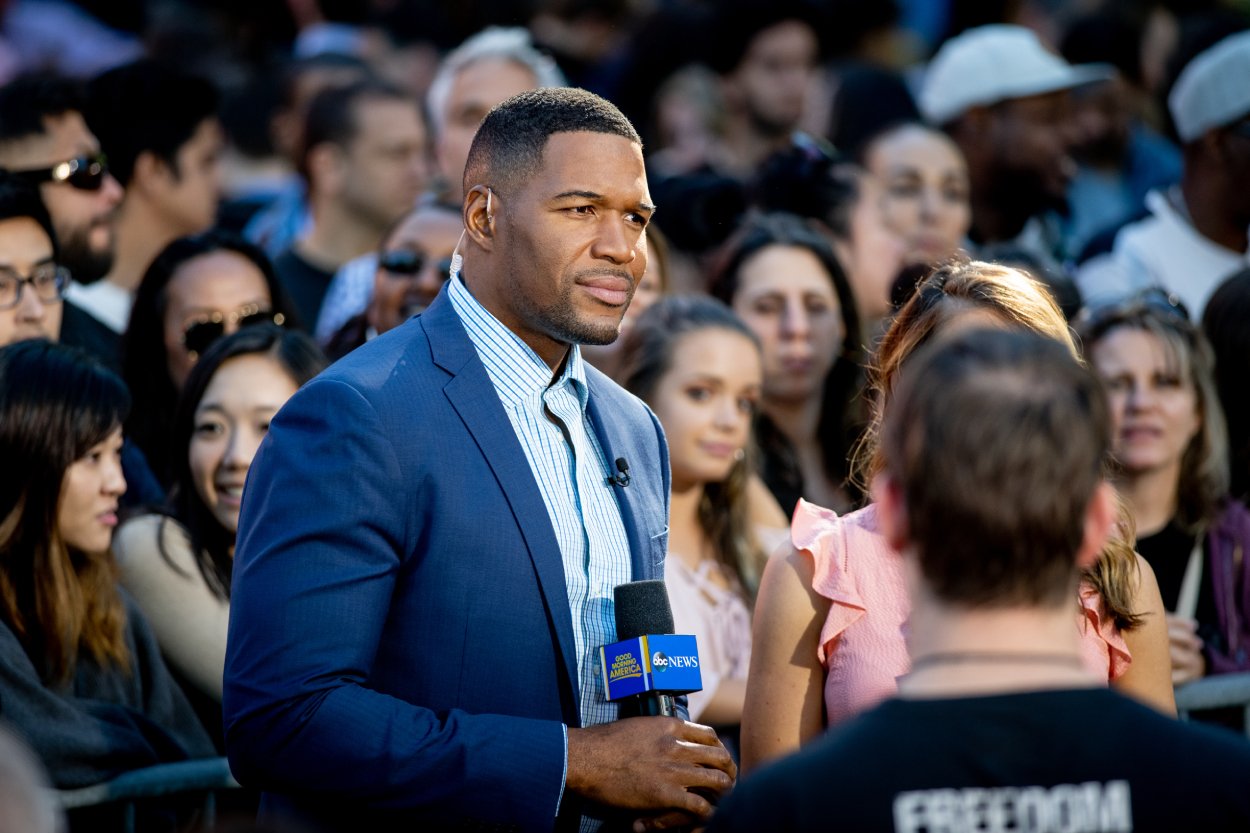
(490, 218)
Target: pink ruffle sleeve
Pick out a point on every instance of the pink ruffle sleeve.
(861, 641)
(1102, 645)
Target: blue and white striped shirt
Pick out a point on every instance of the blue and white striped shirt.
(550, 420)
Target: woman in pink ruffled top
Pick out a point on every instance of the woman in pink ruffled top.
(699, 368)
(831, 617)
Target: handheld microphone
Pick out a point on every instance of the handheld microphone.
(621, 478)
(649, 665)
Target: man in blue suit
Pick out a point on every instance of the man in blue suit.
(433, 529)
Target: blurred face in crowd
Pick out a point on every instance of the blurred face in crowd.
(1031, 139)
(413, 266)
(220, 286)
(1154, 406)
(771, 82)
(925, 182)
(82, 217)
(230, 421)
(383, 169)
(87, 512)
(474, 91)
(786, 296)
(26, 252)
(1101, 115)
(872, 254)
(705, 402)
(188, 193)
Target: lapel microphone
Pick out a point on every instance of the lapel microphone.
(621, 478)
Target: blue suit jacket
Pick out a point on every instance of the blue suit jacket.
(401, 645)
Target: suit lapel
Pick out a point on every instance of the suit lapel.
(617, 442)
(475, 400)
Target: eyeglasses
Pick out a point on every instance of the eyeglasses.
(404, 263)
(200, 335)
(86, 173)
(47, 280)
(1094, 321)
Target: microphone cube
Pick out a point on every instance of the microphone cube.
(664, 663)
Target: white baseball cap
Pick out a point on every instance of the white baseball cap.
(1214, 88)
(995, 63)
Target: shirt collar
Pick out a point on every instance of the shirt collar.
(516, 371)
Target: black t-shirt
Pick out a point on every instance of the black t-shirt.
(304, 283)
(1084, 760)
(1167, 552)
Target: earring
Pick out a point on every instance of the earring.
(490, 218)
(740, 455)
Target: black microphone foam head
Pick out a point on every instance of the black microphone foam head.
(641, 608)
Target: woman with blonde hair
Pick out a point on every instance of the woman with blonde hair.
(831, 616)
(1171, 455)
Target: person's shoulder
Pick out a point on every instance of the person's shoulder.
(138, 540)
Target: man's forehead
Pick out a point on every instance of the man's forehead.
(65, 136)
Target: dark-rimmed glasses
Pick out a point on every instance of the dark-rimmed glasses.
(47, 280)
(405, 263)
(86, 173)
(199, 335)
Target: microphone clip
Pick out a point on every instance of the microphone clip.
(621, 478)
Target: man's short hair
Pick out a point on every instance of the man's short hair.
(19, 198)
(27, 101)
(333, 114)
(508, 147)
(147, 107)
(997, 440)
(498, 42)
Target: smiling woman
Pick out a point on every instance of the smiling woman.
(81, 677)
(178, 562)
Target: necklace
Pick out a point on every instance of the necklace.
(1063, 658)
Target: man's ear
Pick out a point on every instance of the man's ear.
(1101, 516)
(327, 167)
(887, 494)
(151, 174)
(480, 205)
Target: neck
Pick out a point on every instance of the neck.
(994, 219)
(1206, 200)
(797, 419)
(745, 147)
(140, 232)
(960, 651)
(1151, 498)
(337, 236)
(685, 536)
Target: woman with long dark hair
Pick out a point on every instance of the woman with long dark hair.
(81, 676)
(699, 368)
(177, 562)
(783, 280)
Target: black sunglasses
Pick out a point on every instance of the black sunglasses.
(1094, 321)
(86, 173)
(407, 262)
(200, 335)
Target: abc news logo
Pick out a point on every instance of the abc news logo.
(661, 661)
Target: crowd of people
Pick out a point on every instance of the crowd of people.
(351, 354)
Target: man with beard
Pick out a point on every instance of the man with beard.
(766, 55)
(1003, 98)
(44, 138)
